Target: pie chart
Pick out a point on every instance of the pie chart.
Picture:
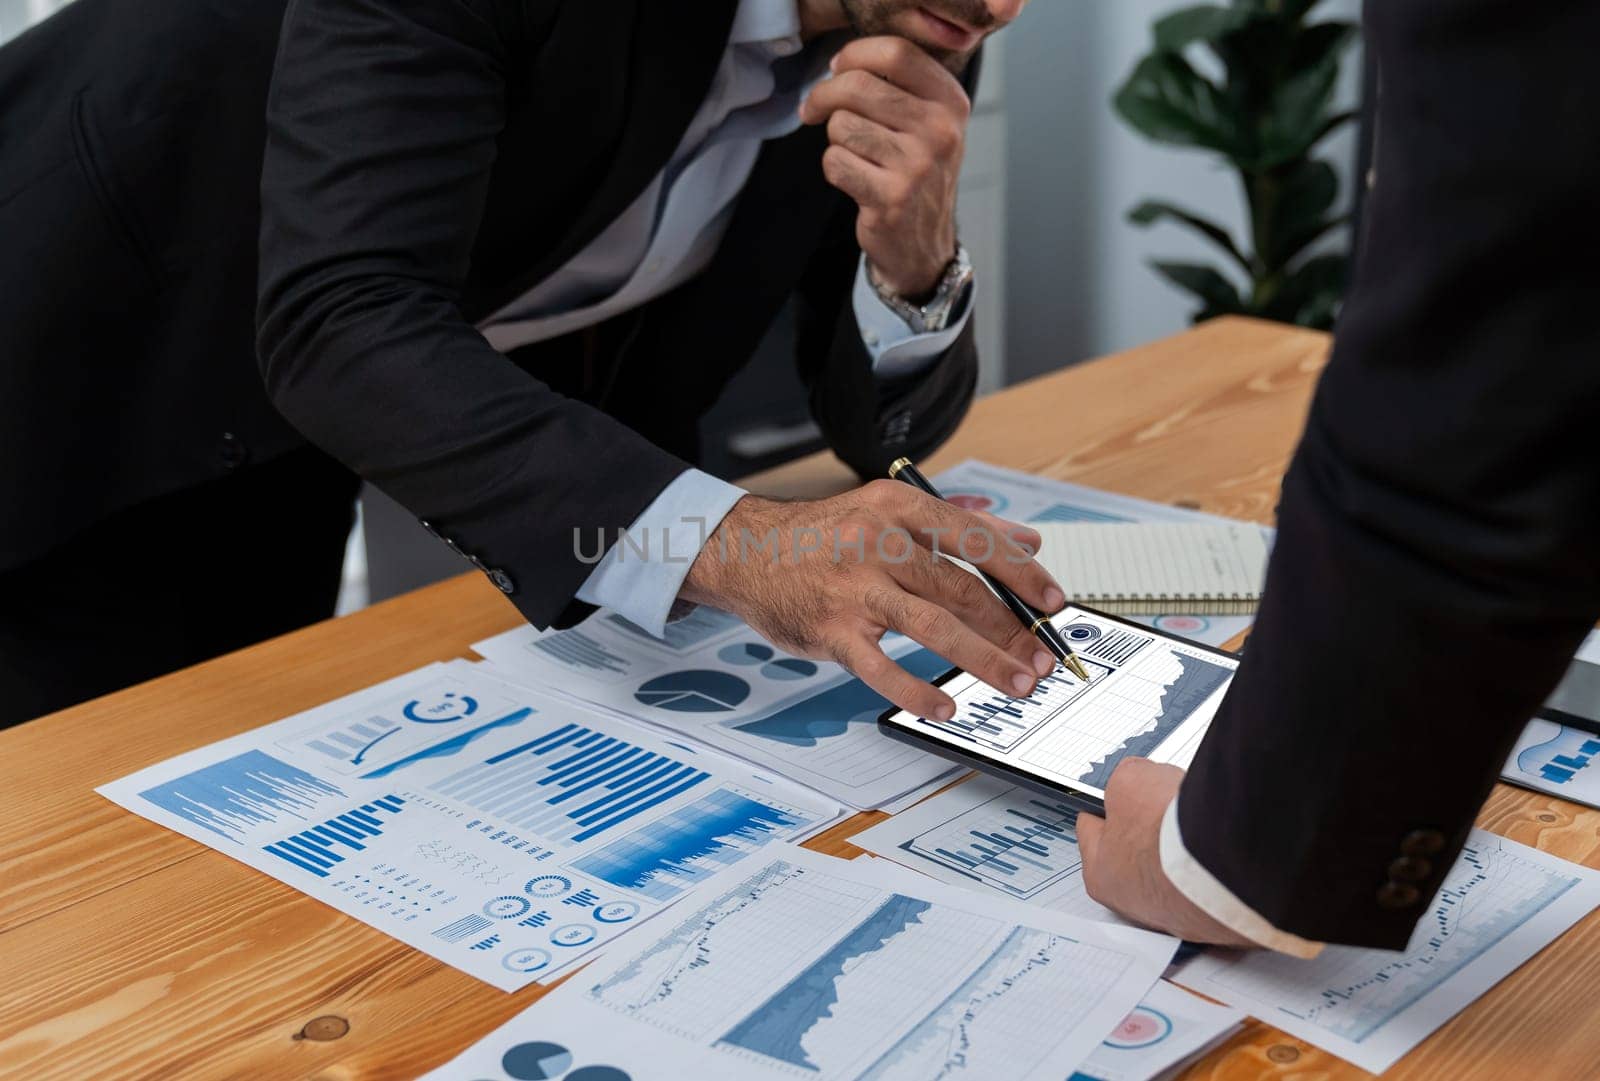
(786, 668)
(536, 1061)
(742, 653)
(697, 691)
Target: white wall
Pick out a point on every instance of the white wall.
(17, 15)
(1078, 285)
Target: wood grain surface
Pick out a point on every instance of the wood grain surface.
(130, 952)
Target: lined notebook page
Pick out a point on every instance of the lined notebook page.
(1155, 568)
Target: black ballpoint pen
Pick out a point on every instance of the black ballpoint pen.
(1031, 618)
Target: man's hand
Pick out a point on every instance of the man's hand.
(898, 123)
(1122, 856)
(827, 579)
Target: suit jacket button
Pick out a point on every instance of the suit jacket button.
(1394, 895)
(1422, 843)
(1410, 869)
(502, 581)
(231, 451)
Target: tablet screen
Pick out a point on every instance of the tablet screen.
(1148, 695)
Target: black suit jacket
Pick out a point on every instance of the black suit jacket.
(130, 161)
(1438, 554)
(427, 163)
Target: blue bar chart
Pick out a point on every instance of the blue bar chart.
(571, 784)
(1562, 758)
(666, 857)
(999, 721)
(233, 796)
(323, 847)
(578, 650)
(1019, 844)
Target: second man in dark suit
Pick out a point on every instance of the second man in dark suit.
(513, 249)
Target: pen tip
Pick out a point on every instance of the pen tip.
(1077, 667)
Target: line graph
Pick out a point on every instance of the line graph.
(1353, 992)
(1138, 712)
(830, 977)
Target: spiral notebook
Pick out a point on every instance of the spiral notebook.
(1140, 569)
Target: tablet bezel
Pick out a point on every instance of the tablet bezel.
(1082, 798)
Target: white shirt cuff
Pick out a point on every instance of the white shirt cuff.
(640, 575)
(1217, 900)
(894, 348)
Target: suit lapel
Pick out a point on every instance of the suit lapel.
(675, 50)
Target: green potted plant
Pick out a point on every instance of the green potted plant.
(1266, 114)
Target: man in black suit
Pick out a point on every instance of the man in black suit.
(155, 509)
(1438, 553)
(513, 249)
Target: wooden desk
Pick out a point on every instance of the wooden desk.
(129, 951)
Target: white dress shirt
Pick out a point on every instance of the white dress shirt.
(670, 234)
(1197, 883)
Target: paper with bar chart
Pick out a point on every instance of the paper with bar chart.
(1146, 696)
(1500, 904)
(812, 967)
(719, 683)
(1556, 759)
(503, 832)
(990, 836)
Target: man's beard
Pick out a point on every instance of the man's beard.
(869, 18)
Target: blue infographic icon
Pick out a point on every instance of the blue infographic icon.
(508, 907)
(616, 912)
(447, 707)
(1080, 632)
(547, 886)
(536, 1061)
(573, 934)
(527, 959)
(699, 691)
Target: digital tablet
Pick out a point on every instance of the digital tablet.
(1149, 695)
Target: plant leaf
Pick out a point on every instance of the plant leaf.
(1296, 117)
(1316, 44)
(1302, 196)
(1207, 283)
(1309, 295)
(1151, 211)
(1204, 22)
(1168, 101)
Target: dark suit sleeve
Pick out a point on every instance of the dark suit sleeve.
(382, 125)
(869, 422)
(1436, 562)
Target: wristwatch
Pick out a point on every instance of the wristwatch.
(935, 314)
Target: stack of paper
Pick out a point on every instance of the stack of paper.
(512, 817)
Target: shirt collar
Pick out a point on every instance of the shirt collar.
(772, 23)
